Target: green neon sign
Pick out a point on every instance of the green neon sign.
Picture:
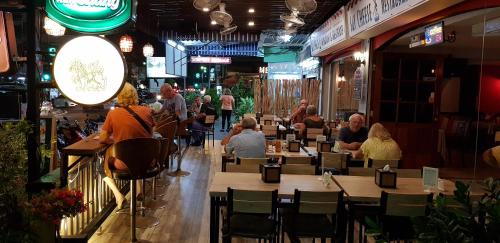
(91, 16)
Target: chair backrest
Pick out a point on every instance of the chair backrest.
(405, 205)
(251, 161)
(409, 173)
(298, 169)
(249, 168)
(376, 163)
(360, 171)
(497, 136)
(311, 133)
(307, 202)
(255, 202)
(268, 117)
(209, 119)
(296, 160)
(269, 130)
(247, 115)
(138, 154)
(333, 160)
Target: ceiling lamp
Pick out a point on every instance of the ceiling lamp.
(126, 43)
(148, 50)
(53, 28)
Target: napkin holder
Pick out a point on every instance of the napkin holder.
(385, 179)
(294, 146)
(270, 173)
(324, 146)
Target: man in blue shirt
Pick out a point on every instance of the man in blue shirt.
(249, 143)
(354, 135)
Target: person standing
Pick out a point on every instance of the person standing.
(227, 109)
(174, 103)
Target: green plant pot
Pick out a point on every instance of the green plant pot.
(44, 231)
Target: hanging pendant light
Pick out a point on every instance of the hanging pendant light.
(53, 28)
(126, 43)
(148, 50)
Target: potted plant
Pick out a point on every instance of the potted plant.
(50, 208)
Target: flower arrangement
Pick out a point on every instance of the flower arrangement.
(57, 204)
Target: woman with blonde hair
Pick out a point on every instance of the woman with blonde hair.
(379, 145)
(123, 123)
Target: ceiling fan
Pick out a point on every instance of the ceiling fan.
(298, 7)
(228, 29)
(205, 5)
(221, 16)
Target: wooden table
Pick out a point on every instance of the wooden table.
(362, 189)
(252, 181)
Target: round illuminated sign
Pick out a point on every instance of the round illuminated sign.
(89, 70)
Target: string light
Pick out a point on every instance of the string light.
(126, 43)
(148, 50)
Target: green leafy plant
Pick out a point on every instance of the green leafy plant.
(14, 222)
(246, 105)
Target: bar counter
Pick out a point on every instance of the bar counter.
(79, 170)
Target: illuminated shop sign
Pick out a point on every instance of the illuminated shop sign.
(212, 60)
(434, 34)
(330, 33)
(91, 16)
(86, 75)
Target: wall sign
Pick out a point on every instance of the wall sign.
(329, 33)
(91, 16)
(89, 76)
(358, 82)
(213, 60)
(364, 14)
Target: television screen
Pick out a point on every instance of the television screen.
(155, 68)
(12, 105)
(434, 34)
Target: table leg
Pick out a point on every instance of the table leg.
(213, 223)
(350, 227)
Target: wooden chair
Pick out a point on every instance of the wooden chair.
(311, 134)
(251, 161)
(314, 215)
(335, 162)
(210, 129)
(374, 163)
(141, 156)
(247, 115)
(359, 171)
(270, 130)
(497, 138)
(397, 212)
(249, 168)
(168, 131)
(297, 160)
(409, 173)
(298, 169)
(251, 214)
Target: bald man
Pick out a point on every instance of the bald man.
(354, 135)
(174, 102)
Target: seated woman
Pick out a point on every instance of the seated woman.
(313, 120)
(378, 146)
(120, 125)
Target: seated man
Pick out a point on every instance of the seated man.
(249, 143)
(354, 135)
(199, 126)
(299, 114)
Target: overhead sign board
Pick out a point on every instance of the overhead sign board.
(89, 76)
(364, 14)
(91, 16)
(212, 60)
(330, 33)
(434, 34)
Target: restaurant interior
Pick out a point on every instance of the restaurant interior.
(249, 121)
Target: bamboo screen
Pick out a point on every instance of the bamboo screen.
(280, 97)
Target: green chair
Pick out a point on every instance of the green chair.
(314, 215)
(251, 214)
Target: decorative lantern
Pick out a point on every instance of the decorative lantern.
(53, 28)
(148, 50)
(126, 43)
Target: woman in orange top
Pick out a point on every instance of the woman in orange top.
(121, 125)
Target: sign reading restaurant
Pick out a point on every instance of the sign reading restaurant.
(364, 14)
(329, 33)
(91, 16)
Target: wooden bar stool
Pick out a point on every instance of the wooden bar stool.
(140, 155)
